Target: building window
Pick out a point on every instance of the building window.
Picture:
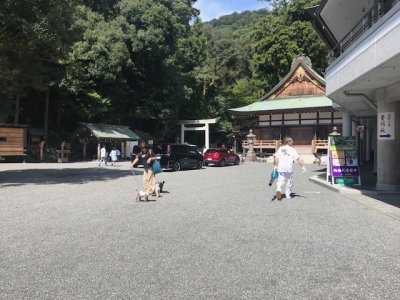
(3, 139)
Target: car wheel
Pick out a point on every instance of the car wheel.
(222, 163)
(237, 161)
(177, 166)
(206, 164)
(199, 164)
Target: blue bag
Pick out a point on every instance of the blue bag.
(274, 175)
(156, 167)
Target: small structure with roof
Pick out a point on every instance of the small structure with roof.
(90, 133)
(12, 142)
(295, 107)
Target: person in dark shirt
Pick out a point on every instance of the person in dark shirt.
(146, 158)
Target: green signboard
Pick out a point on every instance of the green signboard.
(343, 165)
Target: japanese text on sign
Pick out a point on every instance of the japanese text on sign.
(386, 121)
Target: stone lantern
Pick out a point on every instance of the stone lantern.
(335, 131)
(250, 155)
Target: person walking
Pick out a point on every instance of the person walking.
(118, 154)
(103, 155)
(146, 158)
(284, 159)
(113, 155)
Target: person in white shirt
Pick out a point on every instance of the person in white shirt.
(283, 161)
(118, 154)
(103, 155)
(113, 155)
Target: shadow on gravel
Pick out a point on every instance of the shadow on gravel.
(58, 176)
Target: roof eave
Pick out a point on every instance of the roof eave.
(319, 78)
(280, 111)
(322, 28)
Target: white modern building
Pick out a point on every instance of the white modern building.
(364, 76)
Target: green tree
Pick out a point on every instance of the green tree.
(34, 37)
(280, 36)
(97, 61)
(158, 81)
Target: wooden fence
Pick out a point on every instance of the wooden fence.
(319, 145)
(261, 145)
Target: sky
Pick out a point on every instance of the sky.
(211, 9)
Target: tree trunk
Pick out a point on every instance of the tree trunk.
(17, 106)
(59, 114)
(46, 114)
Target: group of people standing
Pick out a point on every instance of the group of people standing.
(114, 155)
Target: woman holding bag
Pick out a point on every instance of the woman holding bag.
(146, 158)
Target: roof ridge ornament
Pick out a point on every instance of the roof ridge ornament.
(302, 57)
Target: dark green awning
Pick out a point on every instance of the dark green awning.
(289, 105)
(111, 132)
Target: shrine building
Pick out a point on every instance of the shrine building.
(297, 107)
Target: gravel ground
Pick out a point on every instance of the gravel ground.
(74, 231)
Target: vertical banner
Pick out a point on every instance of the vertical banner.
(386, 121)
(343, 161)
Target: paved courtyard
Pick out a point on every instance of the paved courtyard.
(73, 231)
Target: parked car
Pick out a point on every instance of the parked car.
(220, 157)
(179, 156)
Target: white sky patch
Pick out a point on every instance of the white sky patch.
(212, 9)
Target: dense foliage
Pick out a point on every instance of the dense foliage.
(143, 63)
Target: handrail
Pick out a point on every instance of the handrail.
(318, 144)
(372, 16)
(262, 144)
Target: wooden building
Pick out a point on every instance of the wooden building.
(295, 107)
(12, 142)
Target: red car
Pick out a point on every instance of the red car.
(220, 157)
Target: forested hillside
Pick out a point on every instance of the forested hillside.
(143, 63)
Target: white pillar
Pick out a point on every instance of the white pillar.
(207, 135)
(375, 145)
(98, 150)
(346, 123)
(368, 147)
(388, 156)
(182, 133)
(353, 128)
(84, 150)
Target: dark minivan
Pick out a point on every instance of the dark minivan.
(179, 156)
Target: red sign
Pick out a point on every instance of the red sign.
(360, 128)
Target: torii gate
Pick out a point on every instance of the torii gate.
(201, 125)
